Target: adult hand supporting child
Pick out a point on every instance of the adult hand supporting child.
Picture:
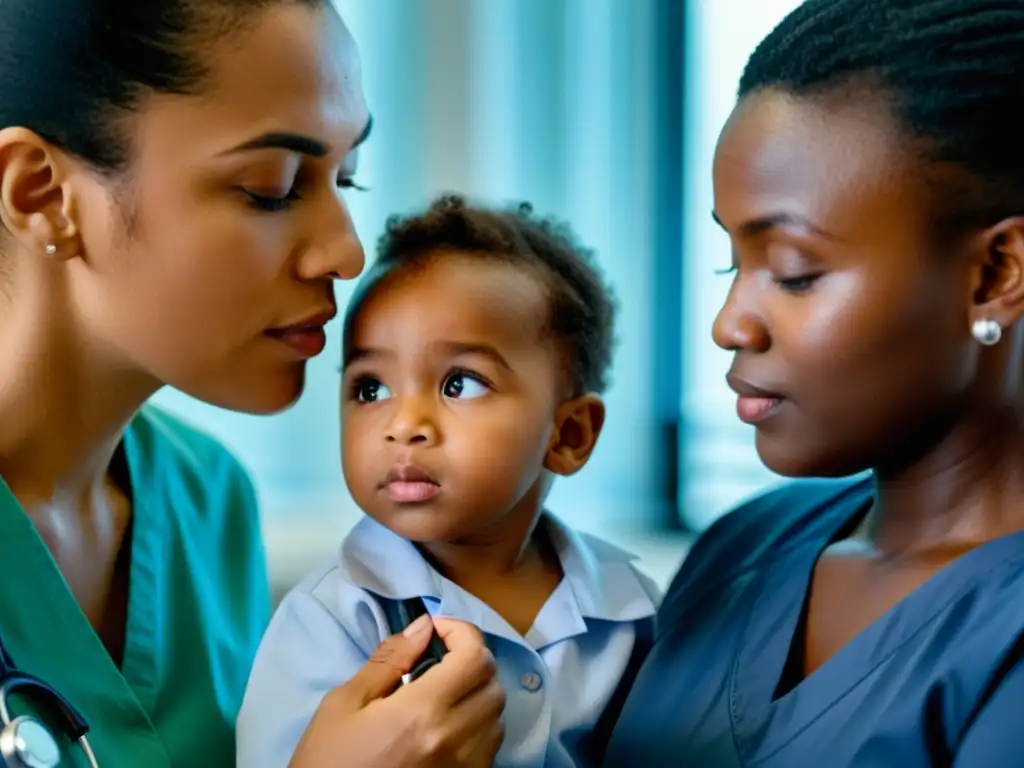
(449, 717)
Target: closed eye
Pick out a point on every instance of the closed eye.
(270, 203)
(800, 284)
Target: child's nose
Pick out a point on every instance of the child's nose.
(412, 425)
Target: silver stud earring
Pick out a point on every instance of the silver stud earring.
(986, 331)
(50, 249)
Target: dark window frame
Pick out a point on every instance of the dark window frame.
(668, 179)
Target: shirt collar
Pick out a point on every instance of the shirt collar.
(604, 582)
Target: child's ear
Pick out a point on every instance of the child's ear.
(578, 424)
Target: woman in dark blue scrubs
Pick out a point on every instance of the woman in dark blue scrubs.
(871, 181)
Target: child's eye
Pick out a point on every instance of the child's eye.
(463, 386)
(370, 390)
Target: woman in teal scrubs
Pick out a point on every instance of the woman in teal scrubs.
(169, 192)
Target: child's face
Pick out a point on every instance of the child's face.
(452, 399)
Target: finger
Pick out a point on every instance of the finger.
(394, 657)
(457, 634)
(476, 715)
(466, 667)
(483, 748)
(456, 730)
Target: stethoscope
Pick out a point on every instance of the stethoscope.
(26, 742)
(400, 614)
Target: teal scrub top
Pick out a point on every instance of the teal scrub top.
(198, 604)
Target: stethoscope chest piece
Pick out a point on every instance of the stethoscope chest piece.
(26, 743)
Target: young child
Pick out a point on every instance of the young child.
(476, 351)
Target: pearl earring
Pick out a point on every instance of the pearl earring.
(50, 249)
(986, 331)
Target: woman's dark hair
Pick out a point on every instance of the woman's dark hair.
(952, 70)
(71, 70)
(581, 313)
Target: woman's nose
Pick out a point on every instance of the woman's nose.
(335, 250)
(738, 326)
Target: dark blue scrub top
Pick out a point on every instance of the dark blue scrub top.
(937, 681)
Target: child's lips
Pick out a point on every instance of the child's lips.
(411, 492)
(408, 484)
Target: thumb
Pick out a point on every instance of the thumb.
(458, 635)
(394, 657)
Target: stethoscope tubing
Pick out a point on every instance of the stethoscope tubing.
(75, 726)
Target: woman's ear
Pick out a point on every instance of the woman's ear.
(578, 424)
(35, 200)
(998, 285)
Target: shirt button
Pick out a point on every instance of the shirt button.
(531, 681)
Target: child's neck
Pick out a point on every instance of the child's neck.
(514, 572)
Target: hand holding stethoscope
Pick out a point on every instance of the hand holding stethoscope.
(24, 741)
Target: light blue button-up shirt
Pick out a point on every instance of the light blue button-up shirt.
(558, 678)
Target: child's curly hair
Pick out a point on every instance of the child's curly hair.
(583, 306)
